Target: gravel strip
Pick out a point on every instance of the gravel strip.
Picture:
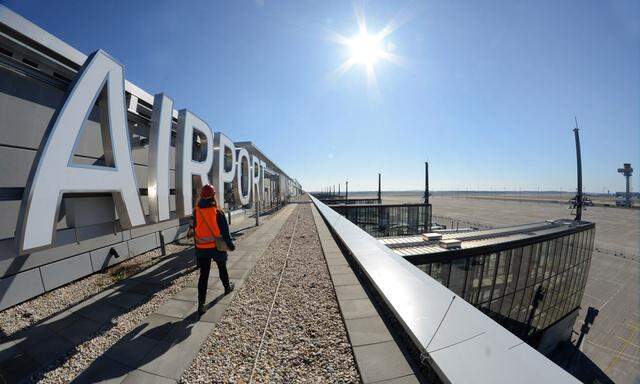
(227, 355)
(31, 312)
(305, 340)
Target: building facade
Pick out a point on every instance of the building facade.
(529, 278)
(44, 84)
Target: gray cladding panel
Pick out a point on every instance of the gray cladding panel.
(143, 244)
(101, 259)
(15, 164)
(147, 229)
(175, 233)
(85, 211)
(8, 219)
(26, 107)
(93, 237)
(18, 288)
(65, 271)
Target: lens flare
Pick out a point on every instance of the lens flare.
(366, 49)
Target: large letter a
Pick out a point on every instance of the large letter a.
(54, 172)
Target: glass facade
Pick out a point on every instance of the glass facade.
(381, 220)
(525, 288)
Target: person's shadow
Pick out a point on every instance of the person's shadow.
(147, 347)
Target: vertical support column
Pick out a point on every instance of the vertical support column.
(426, 182)
(346, 191)
(379, 188)
(427, 210)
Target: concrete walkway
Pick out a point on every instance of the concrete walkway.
(161, 346)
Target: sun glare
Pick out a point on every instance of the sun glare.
(365, 49)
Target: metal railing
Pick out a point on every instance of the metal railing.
(338, 200)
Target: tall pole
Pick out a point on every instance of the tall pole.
(346, 191)
(579, 169)
(338, 189)
(427, 210)
(379, 188)
(426, 182)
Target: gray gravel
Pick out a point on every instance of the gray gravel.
(305, 340)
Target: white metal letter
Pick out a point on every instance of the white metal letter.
(243, 172)
(55, 173)
(220, 174)
(186, 165)
(255, 178)
(158, 172)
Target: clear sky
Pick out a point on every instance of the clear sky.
(485, 91)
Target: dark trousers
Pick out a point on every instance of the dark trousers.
(204, 263)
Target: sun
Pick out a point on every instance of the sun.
(365, 49)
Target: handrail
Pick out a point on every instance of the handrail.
(461, 343)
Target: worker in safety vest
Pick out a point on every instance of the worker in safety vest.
(211, 234)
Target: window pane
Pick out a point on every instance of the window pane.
(473, 285)
(486, 282)
(549, 259)
(524, 268)
(544, 248)
(504, 259)
(445, 268)
(514, 269)
(533, 265)
(458, 275)
(436, 271)
(506, 305)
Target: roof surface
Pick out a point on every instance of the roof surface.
(416, 245)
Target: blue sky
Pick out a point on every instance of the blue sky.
(486, 91)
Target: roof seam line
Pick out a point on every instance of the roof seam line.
(440, 324)
(458, 342)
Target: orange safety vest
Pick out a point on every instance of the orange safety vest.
(207, 230)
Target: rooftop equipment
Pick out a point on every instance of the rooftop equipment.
(450, 243)
(431, 236)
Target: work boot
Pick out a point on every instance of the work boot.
(229, 289)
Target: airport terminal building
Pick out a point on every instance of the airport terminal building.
(529, 278)
(94, 170)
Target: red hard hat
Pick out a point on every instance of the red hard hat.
(207, 192)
